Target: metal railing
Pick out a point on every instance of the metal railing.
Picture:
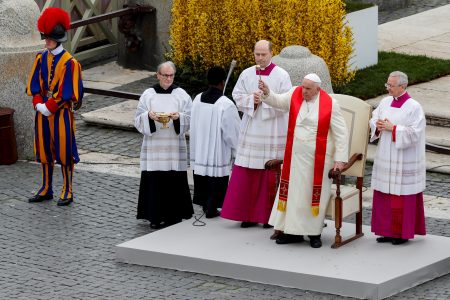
(113, 93)
(90, 37)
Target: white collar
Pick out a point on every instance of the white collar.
(313, 100)
(262, 69)
(57, 50)
(396, 98)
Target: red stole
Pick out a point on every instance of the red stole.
(325, 106)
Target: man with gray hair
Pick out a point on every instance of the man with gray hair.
(398, 175)
(317, 141)
(164, 196)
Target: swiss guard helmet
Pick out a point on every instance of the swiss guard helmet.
(53, 24)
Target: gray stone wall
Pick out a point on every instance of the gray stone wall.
(153, 28)
(19, 42)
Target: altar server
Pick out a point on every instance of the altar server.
(164, 196)
(214, 134)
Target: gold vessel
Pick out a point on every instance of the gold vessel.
(163, 118)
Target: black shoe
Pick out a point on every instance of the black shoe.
(170, 223)
(39, 198)
(64, 202)
(155, 225)
(397, 241)
(248, 224)
(315, 242)
(267, 226)
(212, 214)
(384, 239)
(289, 239)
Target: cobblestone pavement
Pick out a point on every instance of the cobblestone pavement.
(51, 252)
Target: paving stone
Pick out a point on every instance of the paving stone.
(51, 252)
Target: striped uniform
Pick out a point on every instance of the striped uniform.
(56, 81)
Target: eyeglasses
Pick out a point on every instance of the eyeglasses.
(167, 75)
(388, 85)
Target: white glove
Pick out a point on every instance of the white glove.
(42, 108)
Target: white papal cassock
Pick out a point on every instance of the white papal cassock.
(298, 218)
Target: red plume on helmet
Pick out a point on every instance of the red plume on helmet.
(53, 24)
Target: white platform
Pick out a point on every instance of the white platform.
(361, 269)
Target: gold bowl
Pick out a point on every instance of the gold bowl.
(163, 118)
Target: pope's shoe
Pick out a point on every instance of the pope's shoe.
(64, 202)
(289, 239)
(315, 242)
(39, 198)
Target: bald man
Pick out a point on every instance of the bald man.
(317, 140)
(262, 136)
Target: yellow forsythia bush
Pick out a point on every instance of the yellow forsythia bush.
(213, 32)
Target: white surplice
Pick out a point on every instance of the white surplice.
(213, 138)
(399, 167)
(164, 149)
(262, 134)
(298, 218)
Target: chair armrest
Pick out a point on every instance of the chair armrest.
(273, 164)
(355, 157)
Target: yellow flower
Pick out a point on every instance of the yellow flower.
(205, 32)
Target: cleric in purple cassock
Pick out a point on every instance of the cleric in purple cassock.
(262, 137)
(398, 176)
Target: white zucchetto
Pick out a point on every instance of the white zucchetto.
(313, 77)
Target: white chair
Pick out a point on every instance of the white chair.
(345, 199)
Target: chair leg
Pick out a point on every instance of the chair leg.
(358, 221)
(337, 222)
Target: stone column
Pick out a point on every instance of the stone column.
(298, 61)
(19, 43)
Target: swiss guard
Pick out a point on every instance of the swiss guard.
(56, 86)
